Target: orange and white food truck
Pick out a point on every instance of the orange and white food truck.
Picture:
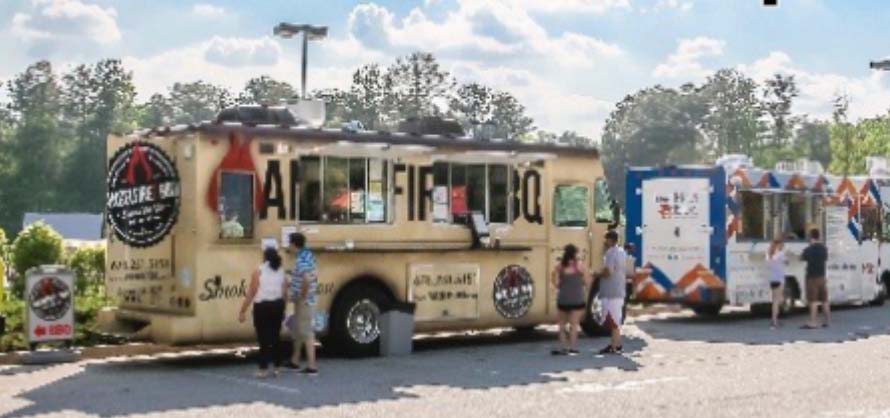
(389, 217)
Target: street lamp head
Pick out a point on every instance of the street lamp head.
(288, 30)
(880, 65)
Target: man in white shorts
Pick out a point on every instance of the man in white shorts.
(612, 289)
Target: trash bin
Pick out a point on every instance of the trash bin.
(397, 329)
(2, 325)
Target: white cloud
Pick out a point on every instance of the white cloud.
(209, 11)
(240, 52)
(154, 74)
(57, 24)
(476, 30)
(574, 6)
(869, 95)
(685, 63)
(678, 5)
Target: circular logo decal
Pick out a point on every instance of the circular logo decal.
(514, 291)
(50, 298)
(143, 194)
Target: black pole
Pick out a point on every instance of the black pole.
(305, 54)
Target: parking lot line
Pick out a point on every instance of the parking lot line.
(250, 382)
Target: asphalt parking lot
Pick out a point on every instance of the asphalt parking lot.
(674, 365)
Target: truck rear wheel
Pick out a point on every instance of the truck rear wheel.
(355, 321)
(882, 290)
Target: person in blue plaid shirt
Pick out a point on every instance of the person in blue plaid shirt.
(303, 291)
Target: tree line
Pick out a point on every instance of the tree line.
(53, 125)
(731, 113)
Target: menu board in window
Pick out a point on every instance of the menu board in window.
(236, 204)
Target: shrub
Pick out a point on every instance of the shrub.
(88, 264)
(35, 245)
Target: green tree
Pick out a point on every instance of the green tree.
(265, 90)
(778, 97)
(88, 264)
(34, 151)
(844, 140)
(156, 112)
(812, 141)
(197, 101)
(475, 104)
(36, 245)
(419, 85)
(732, 122)
(509, 117)
(654, 126)
(96, 100)
(574, 139)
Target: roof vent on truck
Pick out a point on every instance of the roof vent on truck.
(253, 115)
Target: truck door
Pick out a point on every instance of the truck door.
(571, 224)
(843, 265)
(676, 234)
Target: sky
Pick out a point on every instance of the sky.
(568, 61)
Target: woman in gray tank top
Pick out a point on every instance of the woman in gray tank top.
(571, 282)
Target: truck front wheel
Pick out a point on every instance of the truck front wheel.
(592, 319)
(707, 310)
(355, 321)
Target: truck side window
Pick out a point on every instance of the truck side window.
(602, 202)
(236, 204)
(570, 206)
(310, 188)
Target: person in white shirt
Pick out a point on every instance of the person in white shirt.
(775, 266)
(612, 289)
(266, 294)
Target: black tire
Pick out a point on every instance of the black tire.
(340, 340)
(589, 323)
(884, 292)
(707, 310)
(791, 296)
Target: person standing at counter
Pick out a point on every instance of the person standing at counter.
(266, 293)
(303, 293)
(815, 255)
(775, 264)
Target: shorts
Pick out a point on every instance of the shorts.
(612, 313)
(775, 285)
(571, 308)
(817, 290)
(301, 326)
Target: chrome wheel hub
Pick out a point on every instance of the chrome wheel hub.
(362, 321)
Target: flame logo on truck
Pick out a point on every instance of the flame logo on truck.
(50, 298)
(143, 194)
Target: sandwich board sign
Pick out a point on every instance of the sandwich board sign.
(49, 307)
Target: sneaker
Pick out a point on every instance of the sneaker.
(573, 352)
(309, 372)
(611, 350)
(262, 374)
(558, 352)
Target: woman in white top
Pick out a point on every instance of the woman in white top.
(775, 265)
(266, 293)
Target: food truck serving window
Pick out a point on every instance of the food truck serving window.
(570, 206)
(462, 188)
(343, 190)
(236, 204)
(870, 218)
(801, 213)
(753, 210)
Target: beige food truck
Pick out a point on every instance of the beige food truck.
(467, 230)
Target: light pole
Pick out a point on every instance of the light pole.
(310, 32)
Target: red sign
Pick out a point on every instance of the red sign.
(459, 200)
